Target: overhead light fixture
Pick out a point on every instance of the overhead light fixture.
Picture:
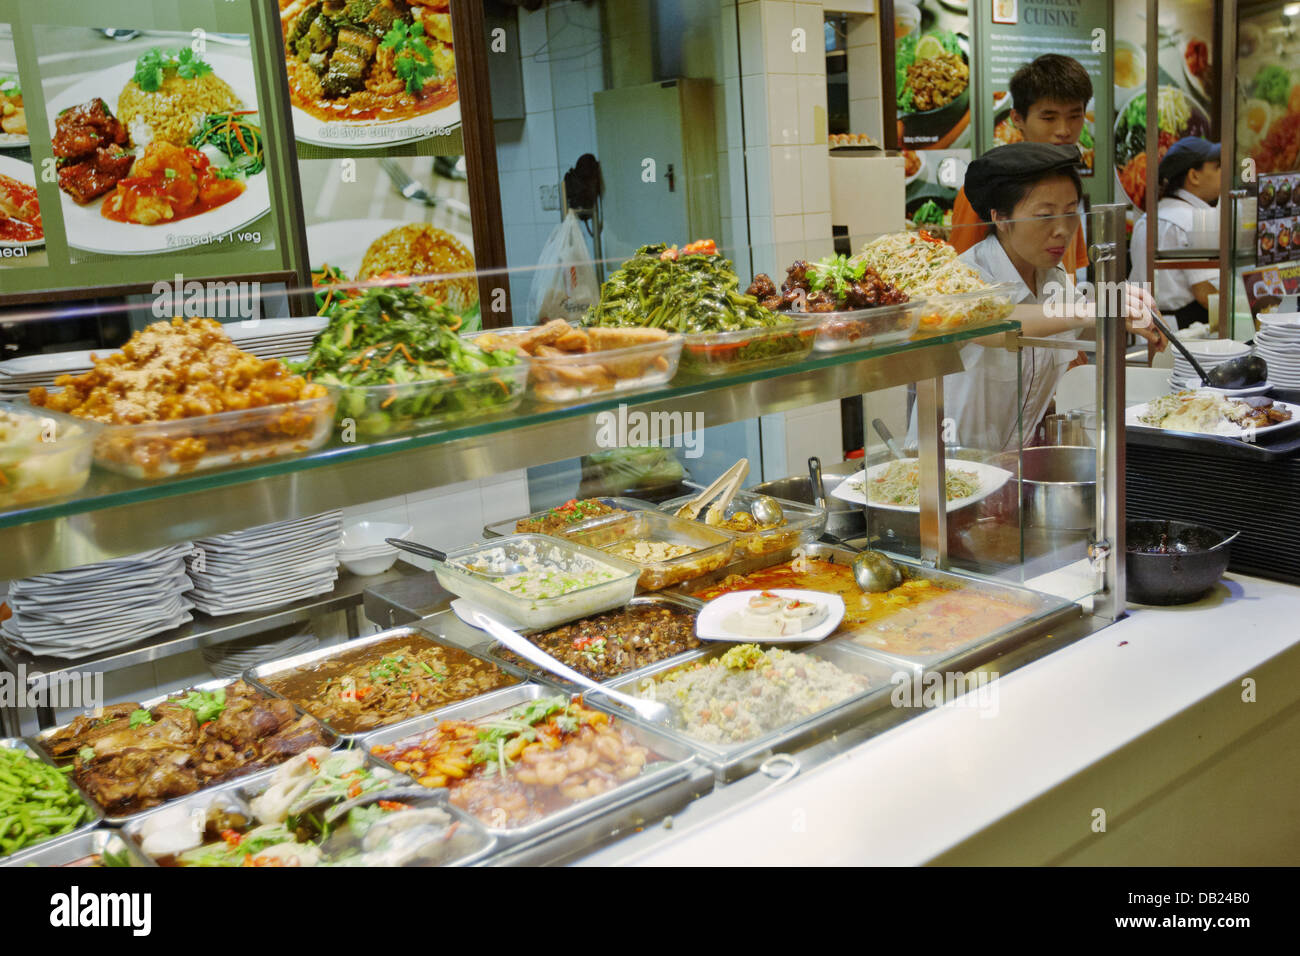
(1291, 9)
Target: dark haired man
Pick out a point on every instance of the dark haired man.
(1049, 98)
(1189, 181)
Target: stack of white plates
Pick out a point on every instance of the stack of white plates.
(1209, 352)
(267, 566)
(233, 658)
(1278, 343)
(276, 338)
(99, 607)
(20, 374)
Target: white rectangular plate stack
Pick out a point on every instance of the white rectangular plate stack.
(99, 607)
(267, 566)
(276, 338)
(1278, 343)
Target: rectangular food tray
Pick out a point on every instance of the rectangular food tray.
(740, 759)
(493, 651)
(501, 529)
(380, 410)
(1041, 610)
(331, 741)
(538, 612)
(570, 377)
(726, 353)
(868, 328)
(96, 814)
(713, 548)
(150, 449)
(259, 675)
(680, 762)
(237, 794)
(77, 846)
(802, 523)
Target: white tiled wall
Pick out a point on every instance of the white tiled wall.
(560, 54)
(865, 110)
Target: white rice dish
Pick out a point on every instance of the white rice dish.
(747, 692)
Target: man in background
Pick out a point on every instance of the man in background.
(1049, 100)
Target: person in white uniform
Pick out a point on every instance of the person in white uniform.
(1190, 173)
(1030, 192)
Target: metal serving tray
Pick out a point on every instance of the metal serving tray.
(731, 762)
(500, 529)
(96, 813)
(493, 651)
(603, 814)
(331, 741)
(257, 676)
(1041, 610)
(237, 795)
(77, 846)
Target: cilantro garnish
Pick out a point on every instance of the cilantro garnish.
(413, 60)
(151, 67)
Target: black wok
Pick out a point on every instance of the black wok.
(1173, 562)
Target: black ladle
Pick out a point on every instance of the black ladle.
(1240, 372)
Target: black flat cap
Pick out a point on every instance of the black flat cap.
(990, 175)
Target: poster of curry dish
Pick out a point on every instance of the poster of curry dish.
(22, 233)
(162, 151)
(368, 73)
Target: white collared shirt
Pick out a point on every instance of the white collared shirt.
(984, 401)
(1173, 286)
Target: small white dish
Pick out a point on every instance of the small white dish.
(373, 564)
(713, 620)
(364, 535)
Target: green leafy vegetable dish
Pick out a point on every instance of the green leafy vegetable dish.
(929, 214)
(681, 292)
(400, 362)
(1272, 83)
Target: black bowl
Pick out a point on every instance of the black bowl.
(1172, 562)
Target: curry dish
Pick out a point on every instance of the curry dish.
(916, 619)
(386, 682)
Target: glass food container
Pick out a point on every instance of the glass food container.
(868, 328)
(563, 571)
(43, 454)
(964, 310)
(725, 353)
(710, 548)
(802, 523)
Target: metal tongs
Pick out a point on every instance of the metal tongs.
(724, 489)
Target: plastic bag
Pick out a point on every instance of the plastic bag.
(565, 284)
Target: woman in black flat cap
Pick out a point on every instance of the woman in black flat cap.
(1030, 192)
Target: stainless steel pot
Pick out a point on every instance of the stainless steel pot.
(843, 519)
(1058, 486)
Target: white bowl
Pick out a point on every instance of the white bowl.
(377, 564)
(366, 535)
(1226, 348)
(1282, 319)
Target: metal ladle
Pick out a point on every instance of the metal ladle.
(875, 571)
(767, 510)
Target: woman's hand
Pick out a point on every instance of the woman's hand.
(1139, 307)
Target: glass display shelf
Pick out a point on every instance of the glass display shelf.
(113, 516)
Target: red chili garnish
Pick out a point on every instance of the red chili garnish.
(231, 837)
(393, 805)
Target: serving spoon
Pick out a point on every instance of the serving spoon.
(875, 572)
(424, 551)
(1242, 372)
(649, 710)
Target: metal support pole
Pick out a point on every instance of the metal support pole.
(932, 492)
(1107, 547)
(1227, 140)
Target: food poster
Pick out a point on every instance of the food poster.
(22, 234)
(932, 179)
(1186, 82)
(1266, 288)
(371, 77)
(1278, 207)
(360, 228)
(932, 65)
(1012, 35)
(159, 146)
(1268, 96)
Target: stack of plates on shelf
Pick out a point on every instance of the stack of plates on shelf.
(20, 374)
(99, 607)
(1209, 352)
(1278, 343)
(267, 566)
(276, 338)
(233, 658)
